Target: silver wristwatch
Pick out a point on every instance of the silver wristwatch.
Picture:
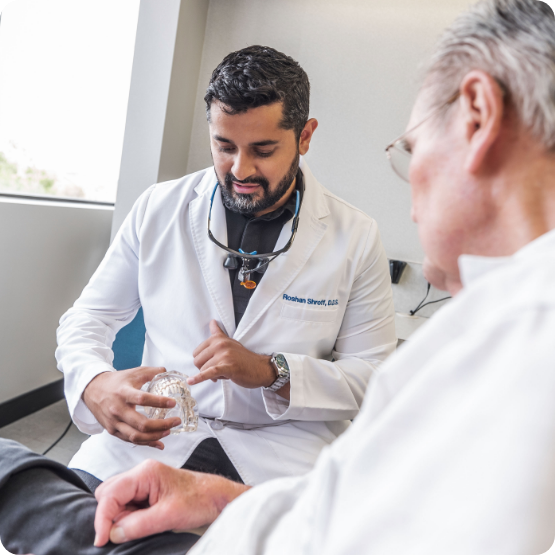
(280, 364)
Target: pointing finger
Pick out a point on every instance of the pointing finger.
(212, 373)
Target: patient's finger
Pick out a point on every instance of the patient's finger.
(139, 524)
(113, 497)
(123, 514)
(108, 508)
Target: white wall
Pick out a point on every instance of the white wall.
(362, 58)
(187, 55)
(48, 251)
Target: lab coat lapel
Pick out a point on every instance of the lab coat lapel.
(211, 258)
(283, 270)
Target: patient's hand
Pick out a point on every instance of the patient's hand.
(112, 397)
(174, 499)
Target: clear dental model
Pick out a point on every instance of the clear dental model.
(173, 384)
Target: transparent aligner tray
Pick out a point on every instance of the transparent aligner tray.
(173, 384)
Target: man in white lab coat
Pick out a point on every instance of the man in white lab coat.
(454, 449)
(279, 310)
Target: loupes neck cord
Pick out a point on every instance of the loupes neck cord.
(231, 262)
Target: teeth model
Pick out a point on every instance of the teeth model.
(173, 384)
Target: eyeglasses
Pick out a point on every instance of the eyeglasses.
(232, 261)
(398, 152)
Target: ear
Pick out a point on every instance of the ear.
(482, 108)
(306, 135)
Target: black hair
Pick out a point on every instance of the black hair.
(258, 76)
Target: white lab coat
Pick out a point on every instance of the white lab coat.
(453, 452)
(163, 260)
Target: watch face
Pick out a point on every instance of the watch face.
(283, 371)
(280, 359)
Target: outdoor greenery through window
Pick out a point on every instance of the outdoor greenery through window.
(65, 71)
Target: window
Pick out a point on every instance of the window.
(65, 71)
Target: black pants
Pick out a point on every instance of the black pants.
(47, 509)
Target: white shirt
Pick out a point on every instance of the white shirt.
(163, 260)
(454, 449)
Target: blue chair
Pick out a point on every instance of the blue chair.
(129, 344)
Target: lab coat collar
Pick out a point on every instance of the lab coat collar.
(210, 257)
(280, 272)
(473, 267)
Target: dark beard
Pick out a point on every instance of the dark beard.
(245, 203)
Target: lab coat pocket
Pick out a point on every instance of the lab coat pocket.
(324, 315)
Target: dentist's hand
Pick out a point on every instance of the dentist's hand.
(222, 358)
(112, 397)
(153, 498)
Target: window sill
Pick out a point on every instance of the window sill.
(37, 200)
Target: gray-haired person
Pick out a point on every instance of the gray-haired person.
(454, 449)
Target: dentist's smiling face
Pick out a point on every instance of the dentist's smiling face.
(255, 159)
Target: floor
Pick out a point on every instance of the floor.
(41, 429)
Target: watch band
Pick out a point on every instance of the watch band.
(280, 364)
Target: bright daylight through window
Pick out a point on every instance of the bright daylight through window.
(65, 71)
